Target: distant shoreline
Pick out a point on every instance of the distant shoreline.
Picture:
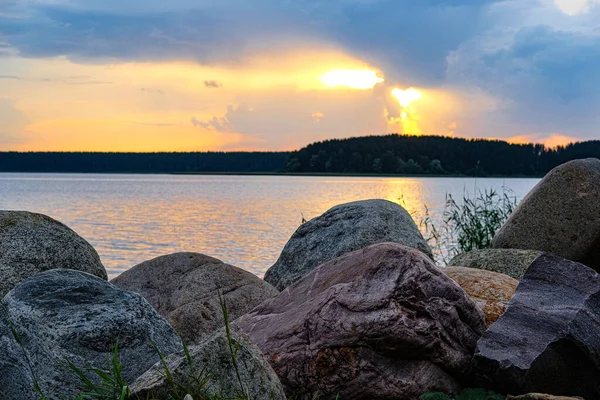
(292, 174)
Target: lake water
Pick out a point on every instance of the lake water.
(242, 220)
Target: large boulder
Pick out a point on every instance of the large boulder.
(491, 291)
(185, 288)
(211, 363)
(511, 262)
(382, 322)
(66, 315)
(561, 215)
(32, 243)
(16, 381)
(548, 340)
(343, 229)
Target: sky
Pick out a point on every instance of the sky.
(197, 75)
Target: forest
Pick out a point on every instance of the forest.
(387, 154)
(434, 155)
(246, 162)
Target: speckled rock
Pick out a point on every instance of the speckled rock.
(184, 288)
(561, 215)
(32, 243)
(511, 262)
(491, 291)
(540, 396)
(382, 322)
(212, 359)
(16, 381)
(64, 315)
(548, 340)
(343, 229)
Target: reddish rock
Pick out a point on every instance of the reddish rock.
(491, 291)
(378, 323)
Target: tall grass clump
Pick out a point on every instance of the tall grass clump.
(469, 224)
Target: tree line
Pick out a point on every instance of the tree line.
(434, 155)
(388, 154)
(143, 162)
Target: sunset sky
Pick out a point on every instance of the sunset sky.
(188, 75)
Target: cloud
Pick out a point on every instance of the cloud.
(536, 61)
(215, 124)
(212, 84)
(150, 90)
(547, 78)
(11, 77)
(287, 120)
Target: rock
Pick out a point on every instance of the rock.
(188, 397)
(561, 215)
(548, 340)
(343, 229)
(382, 322)
(16, 381)
(540, 396)
(62, 315)
(491, 291)
(211, 359)
(184, 288)
(32, 243)
(511, 262)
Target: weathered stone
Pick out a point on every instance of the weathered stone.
(212, 359)
(561, 215)
(540, 396)
(511, 262)
(16, 381)
(32, 243)
(184, 288)
(491, 291)
(548, 340)
(382, 322)
(343, 229)
(62, 315)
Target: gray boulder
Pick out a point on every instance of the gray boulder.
(211, 360)
(343, 229)
(62, 315)
(382, 322)
(33, 243)
(548, 340)
(184, 288)
(561, 215)
(14, 367)
(511, 262)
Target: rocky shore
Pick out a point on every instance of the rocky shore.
(354, 308)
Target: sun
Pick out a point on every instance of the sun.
(409, 119)
(407, 97)
(362, 79)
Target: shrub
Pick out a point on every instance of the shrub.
(468, 225)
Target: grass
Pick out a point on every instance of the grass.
(467, 225)
(467, 394)
(108, 383)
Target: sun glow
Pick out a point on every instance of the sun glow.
(407, 97)
(351, 78)
(409, 118)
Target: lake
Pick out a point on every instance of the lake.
(242, 220)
